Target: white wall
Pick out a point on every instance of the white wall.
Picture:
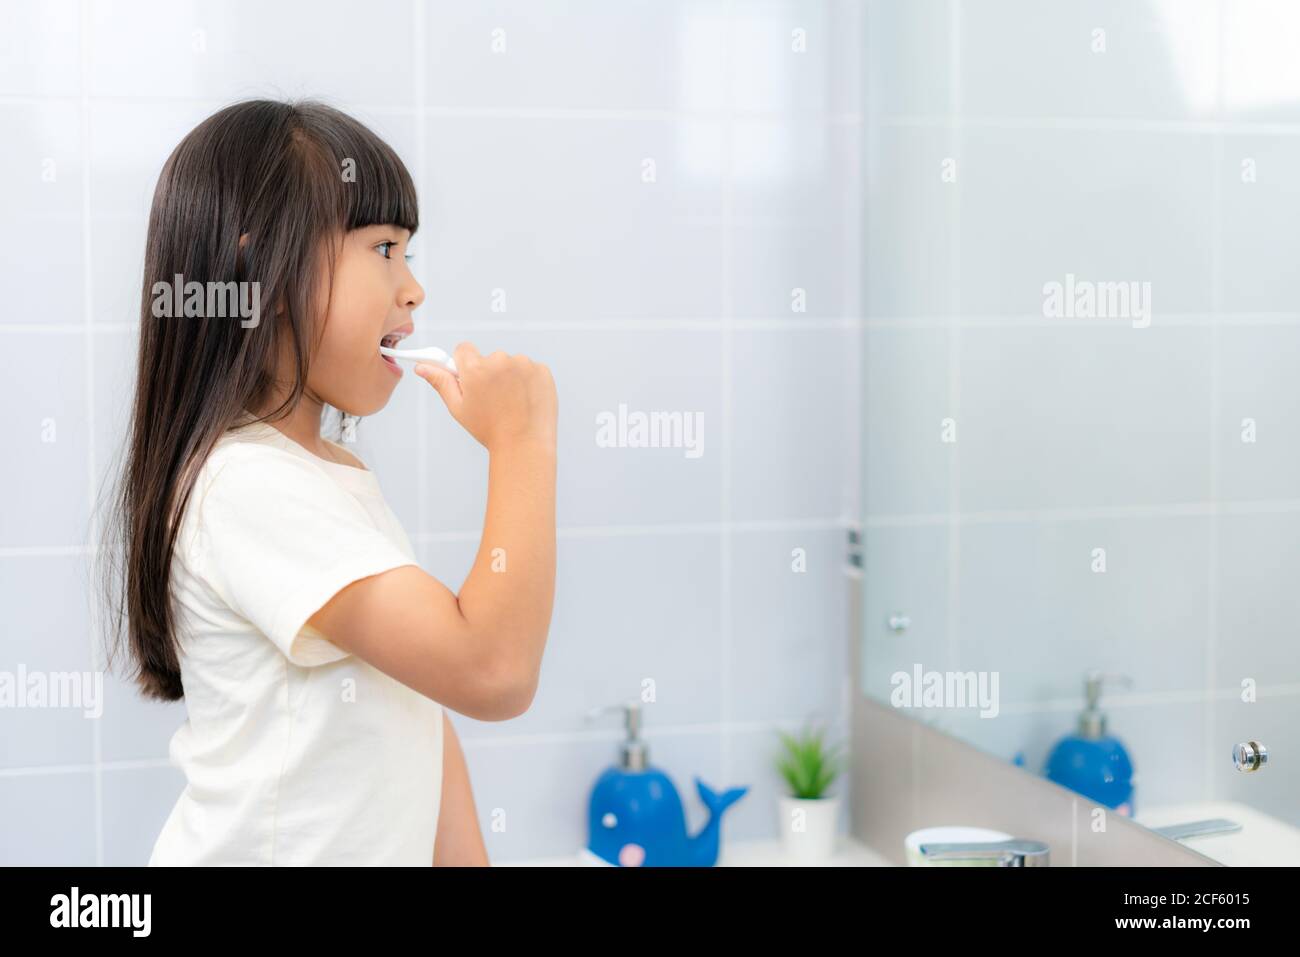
(1122, 163)
(673, 295)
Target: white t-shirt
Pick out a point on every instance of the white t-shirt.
(295, 751)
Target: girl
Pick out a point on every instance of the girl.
(260, 574)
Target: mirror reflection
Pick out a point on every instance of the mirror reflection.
(1080, 443)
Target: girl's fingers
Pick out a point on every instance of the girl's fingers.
(444, 383)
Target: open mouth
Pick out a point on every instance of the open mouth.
(391, 341)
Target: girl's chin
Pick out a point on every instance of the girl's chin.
(372, 390)
(367, 405)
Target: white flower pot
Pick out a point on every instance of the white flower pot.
(808, 827)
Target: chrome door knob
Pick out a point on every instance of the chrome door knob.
(1249, 756)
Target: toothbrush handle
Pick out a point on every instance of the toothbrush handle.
(431, 354)
(434, 355)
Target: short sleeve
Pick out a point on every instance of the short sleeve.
(276, 538)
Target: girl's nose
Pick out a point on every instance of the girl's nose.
(412, 294)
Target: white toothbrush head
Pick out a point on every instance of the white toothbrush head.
(427, 354)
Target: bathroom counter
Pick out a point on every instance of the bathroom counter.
(850, 853)
(1262, 841)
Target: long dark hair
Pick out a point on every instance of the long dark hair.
(289, 179)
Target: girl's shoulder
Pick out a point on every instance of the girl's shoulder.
(259, 434)
(250, 464)
(248, 449)
(256, 475)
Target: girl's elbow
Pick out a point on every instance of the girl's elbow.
(520, 688)
(521, 698)
(507, 690)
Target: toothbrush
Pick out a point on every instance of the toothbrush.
(427, 354)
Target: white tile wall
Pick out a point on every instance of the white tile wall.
(41, 192)
(1168, 158)
(672, 294)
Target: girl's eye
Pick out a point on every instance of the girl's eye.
(387, 245)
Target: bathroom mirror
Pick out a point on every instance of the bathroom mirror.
(1081, 400)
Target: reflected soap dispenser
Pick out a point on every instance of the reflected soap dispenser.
(1092, 762)
(635, 816)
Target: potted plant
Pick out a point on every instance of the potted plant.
(809, 816)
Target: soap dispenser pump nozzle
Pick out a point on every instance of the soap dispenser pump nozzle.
(1092, 720)
(633, 755)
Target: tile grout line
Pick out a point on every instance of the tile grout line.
(45, 551)
(915, 776)
(972, 322)
(472, 741)
(573, 114)
(568, 532)
(954, 341)
(859, 654)
(1094, 124)
(869, 140)
(88, 315)
(90, 767)
(853, 396)
(1085, 513)
(912, 520)
(724, 584)
(791, 722)
(422, 162)
(648, 324)
(1209, 720)
(1074, 832)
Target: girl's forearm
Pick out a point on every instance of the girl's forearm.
(508, 595)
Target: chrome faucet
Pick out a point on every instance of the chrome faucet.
(1214, 825)
(1012, 853)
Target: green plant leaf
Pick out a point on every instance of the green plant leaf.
(808, 765)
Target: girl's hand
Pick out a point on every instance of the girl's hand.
(499, 399)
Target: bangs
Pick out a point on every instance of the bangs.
(383, 192)
(374, 187)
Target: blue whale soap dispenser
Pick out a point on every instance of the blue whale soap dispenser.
(1092, 762)
(635, 816)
